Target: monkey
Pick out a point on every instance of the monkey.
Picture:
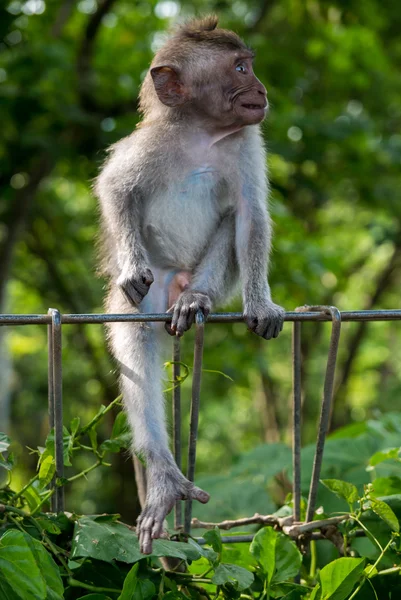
(183, 203)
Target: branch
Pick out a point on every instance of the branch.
(383, 283)
(255, 520)
(101, 367)
(285, 524)
(62, 17)
(19, 215)
(85, 54)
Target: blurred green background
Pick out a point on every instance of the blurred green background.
(70, 73)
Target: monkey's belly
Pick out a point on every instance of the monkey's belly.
(179, 223)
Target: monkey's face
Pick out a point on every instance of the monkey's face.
(232, 95)
(219, 89)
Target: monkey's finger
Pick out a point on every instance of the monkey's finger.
(145, 539)
(262, 328)
(251, 322)
(182, 321)
(191, 315)
(146, 543)
(167, 327)
(200, 495)
(176, 315)
(157, 529)
(277, 329)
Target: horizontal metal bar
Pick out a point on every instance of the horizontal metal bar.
(69, 319)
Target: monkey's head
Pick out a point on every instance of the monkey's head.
(205, 74)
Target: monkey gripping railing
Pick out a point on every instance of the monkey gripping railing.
(55, 320)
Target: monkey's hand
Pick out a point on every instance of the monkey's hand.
(185, 309)
(264, 318)
(135, 282)
(165, 487)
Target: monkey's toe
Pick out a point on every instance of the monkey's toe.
(149, 527)
(200, 495)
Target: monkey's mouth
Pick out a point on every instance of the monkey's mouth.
(254, 106)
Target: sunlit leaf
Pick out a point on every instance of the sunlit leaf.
(383, 510)
(342, 489)
(338, 578)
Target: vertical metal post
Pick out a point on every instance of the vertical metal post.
(177, 422)
(50, 391)
(56, 400)
(326, 404)
(194, 419)
(296, 420)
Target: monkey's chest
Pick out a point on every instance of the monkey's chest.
(180, 219)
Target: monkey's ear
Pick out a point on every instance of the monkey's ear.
(169, 88)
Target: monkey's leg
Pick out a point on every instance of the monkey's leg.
(135, 346)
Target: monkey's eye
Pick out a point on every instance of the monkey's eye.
(240, 68)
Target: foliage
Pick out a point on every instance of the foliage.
(70, 74)
(48, 556)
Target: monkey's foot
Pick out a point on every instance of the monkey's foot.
(164, 490)
(184, 311)
(264, 318)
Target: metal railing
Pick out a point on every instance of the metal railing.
(55, 320)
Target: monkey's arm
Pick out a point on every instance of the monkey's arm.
(253, 240)
(120, 206)
(211, 280)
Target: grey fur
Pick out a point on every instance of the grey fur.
(176, 196)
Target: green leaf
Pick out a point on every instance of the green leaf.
(48, 568)
(175, 549)
(92, 434)
(383, 510)
(289, 591)
(109, 541)
(342, 489)
(378, 457)
(338, 578)
(278, 556)
(263, 548)
(94, 597)
(107, 518)
(204, 551)
(49, 526)
(74, 425)
(387, 486)
(120, 426)
(47, 470)
(135, 588)
(115, 445)
(4, 442)
(32, 496)
(66, 446)
(7, 463)
(316, 593)
(238, 576)
(20, 576)
(213, 538)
